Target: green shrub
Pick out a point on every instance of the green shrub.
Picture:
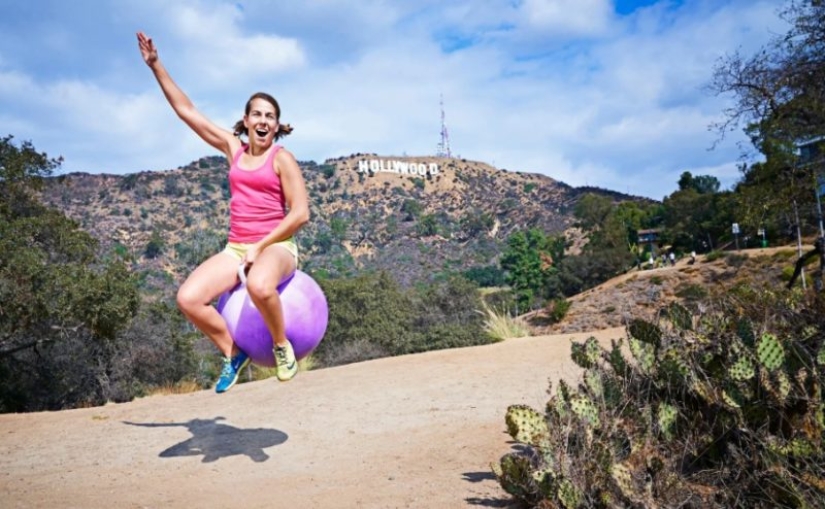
(691, 292)
(373, 316)
(714, 255)
(557, 309)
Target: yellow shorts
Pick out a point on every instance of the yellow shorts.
(238, 250)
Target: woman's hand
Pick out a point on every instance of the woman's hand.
(252, 253)
(147, 49)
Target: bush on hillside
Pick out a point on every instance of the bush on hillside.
(373, 316)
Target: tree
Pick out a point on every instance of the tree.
(427, 225)
(59, 301)
(370, 316)
(155, 245)
(592, 211)
(702, 184)
(412, 209)
(779, 99)
(780, 91)
(528, 263)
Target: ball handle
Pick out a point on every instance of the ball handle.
(242, 273)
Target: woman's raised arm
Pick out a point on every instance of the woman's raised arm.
(219, 138)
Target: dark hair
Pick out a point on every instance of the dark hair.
(283, 129)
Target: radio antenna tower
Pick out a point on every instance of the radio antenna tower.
(444, 145)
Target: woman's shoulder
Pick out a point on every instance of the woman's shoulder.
(234, 148)
(282, 154)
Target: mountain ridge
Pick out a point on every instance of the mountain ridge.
(368, 212)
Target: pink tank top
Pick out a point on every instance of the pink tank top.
(257, 202)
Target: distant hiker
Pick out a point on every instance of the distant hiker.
(672, 258)
(268, 205)
(692, 257)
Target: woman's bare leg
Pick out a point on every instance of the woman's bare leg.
(271, 267)
(213, 277)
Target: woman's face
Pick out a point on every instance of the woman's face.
(261, 122)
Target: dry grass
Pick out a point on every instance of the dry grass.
(503, 326)
(184, 387)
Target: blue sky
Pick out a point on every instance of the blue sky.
(607, 93)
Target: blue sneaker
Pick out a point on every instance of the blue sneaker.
(231, 369)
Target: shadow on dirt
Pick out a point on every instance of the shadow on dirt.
(477, 477)
(215, 441)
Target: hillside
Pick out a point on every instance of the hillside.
(368, 212)
(643, 293)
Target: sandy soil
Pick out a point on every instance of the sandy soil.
(417, 431)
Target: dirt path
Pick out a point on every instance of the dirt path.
(416, 431)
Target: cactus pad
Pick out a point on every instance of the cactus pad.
(769, 351)
(820, 356)
(644, 354)
(674, 363)
(513, 473)
(585, 409)
(526, 425)
(742, 369)
(568, 494)
(623, 478)
(586, 354)
(732, 396)
(666, 419)
(645, 331)
(593, 381)
(617, 360)
(744, 329)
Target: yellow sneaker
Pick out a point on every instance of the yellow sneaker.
(285, 363)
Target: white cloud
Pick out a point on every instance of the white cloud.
(217, 48)
(579, 17)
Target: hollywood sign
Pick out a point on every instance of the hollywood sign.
(401, 167)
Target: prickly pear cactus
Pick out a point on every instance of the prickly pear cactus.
(746, 407)
(744, 329)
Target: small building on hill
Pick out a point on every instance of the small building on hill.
(648, 236)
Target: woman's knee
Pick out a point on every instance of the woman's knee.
(188, 299)
(260, 288)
